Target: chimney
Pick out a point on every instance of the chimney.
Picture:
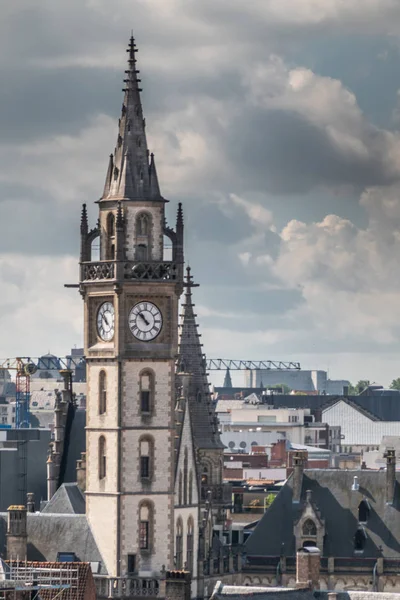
(30, 502)
(177, 585)
(390, 456)
(17, 538)
(51, 476)
(81, 472)
(299, 459)
(307, 567)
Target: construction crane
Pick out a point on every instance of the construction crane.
(212, 364)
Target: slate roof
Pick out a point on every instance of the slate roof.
(68, 500)
(49, 534)
(338, 506)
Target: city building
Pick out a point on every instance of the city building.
(300, 380)
(350, 516)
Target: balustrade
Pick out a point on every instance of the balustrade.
(126, 587)
(132, 270)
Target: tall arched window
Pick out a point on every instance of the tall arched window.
(360, 538)
(185, 477)
(110, 236)
(102, 457)
(146, 453)
(143, 233)
(189, 544)
(363, 511)
(190, 486)
(146, 392)
(102, 392)
(143, 224)
(111, 224)
(145, 526)
(180, 489)
(179, 544)
(309, 528)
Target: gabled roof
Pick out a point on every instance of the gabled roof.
(68, 499)
(338, 506)
(352, 404)
(49, 534)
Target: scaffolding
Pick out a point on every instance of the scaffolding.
(23, 393)
(19, 576)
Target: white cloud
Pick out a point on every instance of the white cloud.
(37, 313)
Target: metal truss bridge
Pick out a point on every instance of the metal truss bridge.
(30, 364)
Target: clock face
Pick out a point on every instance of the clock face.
(145, 321)
(105, 321)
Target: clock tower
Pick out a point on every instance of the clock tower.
(131, 296)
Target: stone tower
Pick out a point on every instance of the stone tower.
(131, 298)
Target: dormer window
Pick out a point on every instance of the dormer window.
(360, 538)
(309, 528)
(363, 511)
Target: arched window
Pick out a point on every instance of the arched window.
(111, 224)
(143, 224)
(363, 511)
(102, 457)
(179, 544)
(185, 477)
(146, 453)
(145, 526)
(189, 544)
(143, 233)
(102, 392)
(146, 392)
(180, 488)
(190, 486)
(360, 538)
(309, 528)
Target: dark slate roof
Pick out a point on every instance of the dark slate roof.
(241, 592)
(338, 506)
(382, 407)
(68, 500)
(49, 534)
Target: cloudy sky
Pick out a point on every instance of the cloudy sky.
(276, 122)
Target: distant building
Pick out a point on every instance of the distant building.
(351, 517)
(306, 381)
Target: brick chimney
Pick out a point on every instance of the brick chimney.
(390, 456)
(308, 562)
(177, 585)
(17, 538)
(299, 461)
(81, 472)
(30, 502)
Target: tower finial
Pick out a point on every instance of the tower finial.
(130, 176)
(84, 220)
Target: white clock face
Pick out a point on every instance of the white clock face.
(145, 321)
(105, 321)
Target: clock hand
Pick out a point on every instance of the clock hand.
(106, 320)
(144, 319)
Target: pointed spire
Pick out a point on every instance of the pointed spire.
(154, 186)
(109, 176)
(192, 361)
(84, 220)
(129, 175)
(228, 379)
(179, 218)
